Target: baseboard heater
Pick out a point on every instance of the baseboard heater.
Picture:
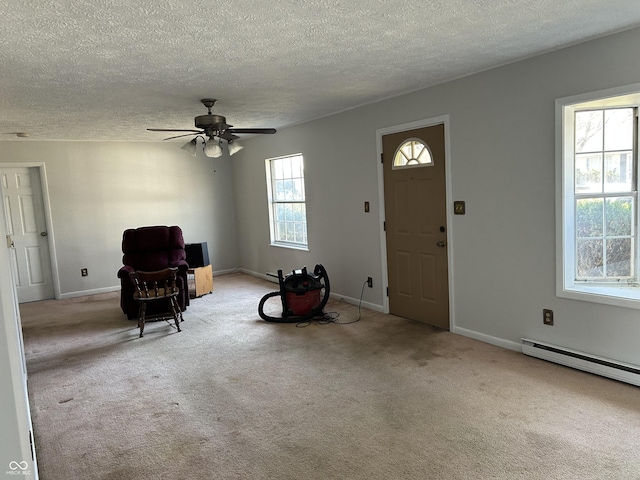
(623, 372)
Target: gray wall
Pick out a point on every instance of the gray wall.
(502, 164)
(99, 189)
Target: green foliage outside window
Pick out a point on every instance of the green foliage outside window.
(604, 228)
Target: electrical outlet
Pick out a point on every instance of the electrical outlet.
(370, 282)
(84, 272)
(547, 316)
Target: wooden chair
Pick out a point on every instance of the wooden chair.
(159, 286)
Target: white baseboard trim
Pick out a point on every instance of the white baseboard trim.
(335, 296)
(356, 302)
(225, 272)
(499, 342)
(94, 291)
(262, 276)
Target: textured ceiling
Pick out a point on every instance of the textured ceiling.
(108, 69)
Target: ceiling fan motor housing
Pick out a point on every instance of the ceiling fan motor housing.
(207, 121)
(213, 126)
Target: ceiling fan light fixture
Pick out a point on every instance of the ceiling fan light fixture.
(234, 147)
(212, 149)
(191, 147)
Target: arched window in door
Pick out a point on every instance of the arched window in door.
(412, 153)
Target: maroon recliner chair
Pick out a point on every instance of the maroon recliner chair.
(150, 249)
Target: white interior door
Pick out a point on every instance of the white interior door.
(27, 233)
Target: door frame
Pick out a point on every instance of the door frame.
(428, 122)
(15, 395)
(55, 275)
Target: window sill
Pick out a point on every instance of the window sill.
(290, 246)
(620, 296)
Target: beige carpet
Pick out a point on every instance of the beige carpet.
(233, 397)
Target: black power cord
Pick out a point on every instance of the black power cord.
(332, 317)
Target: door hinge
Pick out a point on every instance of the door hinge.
(387, 291)
(381, 157)
(384, 226)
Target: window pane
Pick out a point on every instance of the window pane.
(589, 173)
(589, 131)
(298, 232)
(296, 167)
(589, 217)
(619, 214)
(277, 164)
(291, 222)
(407, 151)
(280, 193)
(412, 152)
(619, 257)
(618, 129)
(422, 154)
(589, 259)
(286, 167)
(297, 190)
(296, 212)
(618, 169)
(291, 237)
(288, 190)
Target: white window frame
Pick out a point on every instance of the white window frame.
(417, 164)
(273, 202)
(619, 294)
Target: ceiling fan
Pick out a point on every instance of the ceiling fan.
(213, 127)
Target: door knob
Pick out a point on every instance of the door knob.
(441, 244)
(43, 234)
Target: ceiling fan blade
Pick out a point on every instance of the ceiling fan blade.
(252, 130)
(178, 136)
(172, 130)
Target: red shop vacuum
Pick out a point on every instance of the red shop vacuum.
(303, 295)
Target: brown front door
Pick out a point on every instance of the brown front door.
(416, 224)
